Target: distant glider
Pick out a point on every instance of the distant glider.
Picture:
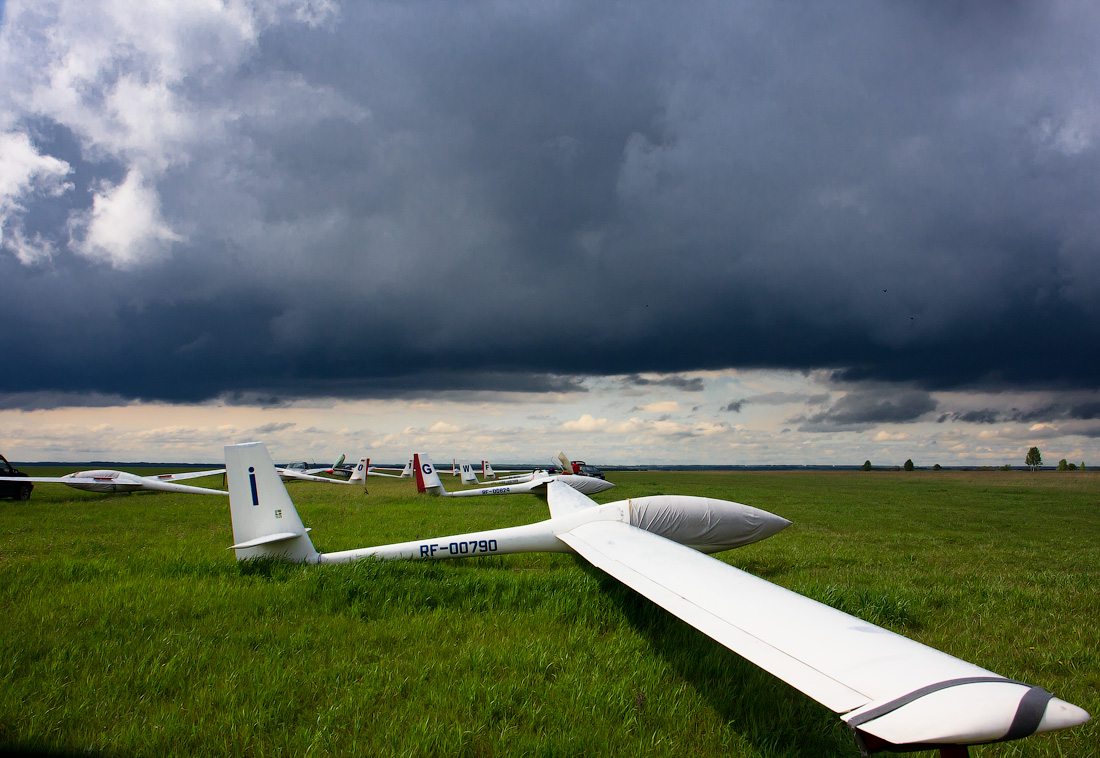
(427, 480)
(109, 480)
(895, 694)
(488, 472)
(300, 473)
(404, 473)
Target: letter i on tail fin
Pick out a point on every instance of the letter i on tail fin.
(427, 479)
(265, 523)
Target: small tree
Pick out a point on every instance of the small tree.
(1034, 459)
(1006, 467)
(937, 467)
(866, 465)
(1062, 465)
(909, 464)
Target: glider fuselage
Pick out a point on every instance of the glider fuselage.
(104, 481)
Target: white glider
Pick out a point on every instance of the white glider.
(427, 480)
(487, 471)
(894, 693)
(403, 473)
(108, 480)
(358, 475)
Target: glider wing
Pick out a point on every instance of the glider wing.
(152, 483)
(185, 475)
(891, 688)
(55, 479)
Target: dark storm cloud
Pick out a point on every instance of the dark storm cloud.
(860, 409)
(274, 427)
(776, 398)
(448, 197)
(683, 383)
(982, 416)
(44, 401)
(1065, 408)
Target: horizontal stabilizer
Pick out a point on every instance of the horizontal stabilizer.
(265, 540)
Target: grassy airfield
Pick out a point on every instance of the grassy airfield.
(129, 629)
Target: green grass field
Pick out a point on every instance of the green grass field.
(129, 629)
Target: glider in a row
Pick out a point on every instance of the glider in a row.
(427, 480)
(299, 472)
(108, 480)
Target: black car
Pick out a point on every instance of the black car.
(18, 490)
(582, 468)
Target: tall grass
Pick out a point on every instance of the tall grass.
(129, 629)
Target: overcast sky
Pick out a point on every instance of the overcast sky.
(744, 232)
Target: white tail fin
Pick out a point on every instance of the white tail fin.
(563, 461)
(407, 472)
(468, 475)
(359, 475)
(427, 479)
(265, 524)
(487, 470)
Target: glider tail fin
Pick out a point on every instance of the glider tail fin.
(427, 478)
(468, 475)
(487, 470)
(563, 461)
(407, 472)
(265, 523)
(359, 475)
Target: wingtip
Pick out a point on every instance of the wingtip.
(1062, 715)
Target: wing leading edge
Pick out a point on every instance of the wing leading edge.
(894, 689)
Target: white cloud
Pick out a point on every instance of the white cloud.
(661, 406)
(25, 172)
(29, 251)
(144, 86)
(586, 423)
(124, 226)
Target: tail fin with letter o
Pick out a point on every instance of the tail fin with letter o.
(265, 523)
(359, 475)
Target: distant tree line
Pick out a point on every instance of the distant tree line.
(1033, 460)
